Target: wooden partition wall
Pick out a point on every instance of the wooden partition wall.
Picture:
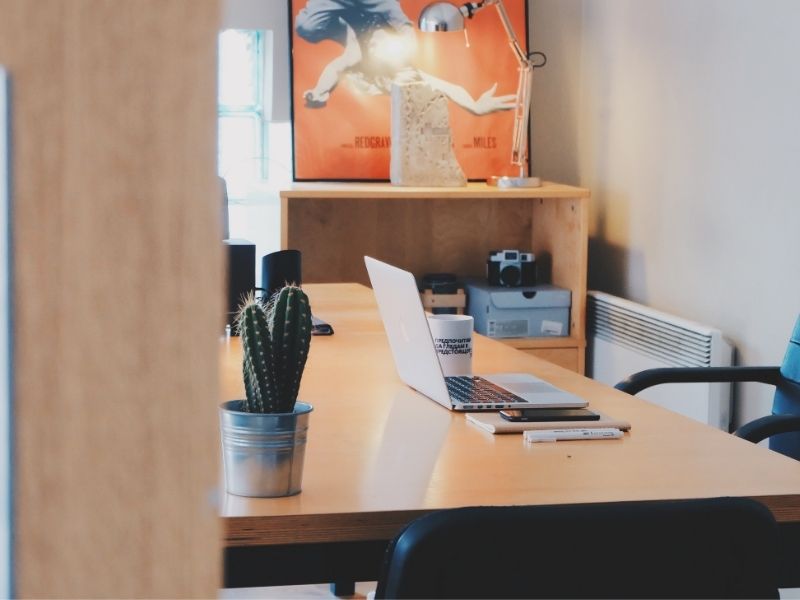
(118, 295)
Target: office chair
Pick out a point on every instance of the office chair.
(782, 427)
(710, 548)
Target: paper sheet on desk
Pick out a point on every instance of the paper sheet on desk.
(494, 423)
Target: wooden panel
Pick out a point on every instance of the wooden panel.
(379, 453)
(118, 295)
(428, 230)
(542, 342)
(568, 352)
(388, 191)
(422, 237)
(560, 241)
(563, 357)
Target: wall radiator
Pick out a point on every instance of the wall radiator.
(625, 337)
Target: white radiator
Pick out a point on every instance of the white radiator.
(625, 337)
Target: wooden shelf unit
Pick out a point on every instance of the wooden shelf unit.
(426, 230)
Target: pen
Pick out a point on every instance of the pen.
(554, 435)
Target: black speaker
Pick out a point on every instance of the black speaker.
(241, 275)
(279, 269)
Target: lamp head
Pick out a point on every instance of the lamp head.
(441, 16)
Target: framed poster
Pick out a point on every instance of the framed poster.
(345, 55)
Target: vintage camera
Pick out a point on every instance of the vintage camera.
(511, 268)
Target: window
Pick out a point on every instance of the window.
(241, 106)
(254, 151)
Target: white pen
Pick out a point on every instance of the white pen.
(554, 435)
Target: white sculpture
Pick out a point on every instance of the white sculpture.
(422, 142)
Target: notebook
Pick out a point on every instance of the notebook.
(494, 423)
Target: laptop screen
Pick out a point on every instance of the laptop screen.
(406, 327)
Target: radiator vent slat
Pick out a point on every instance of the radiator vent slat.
(670, 340)
(659, 323)
(653, 340)
(604, 316)
(611, 325)
(624, 338)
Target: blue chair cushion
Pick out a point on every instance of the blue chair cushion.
(787, 396)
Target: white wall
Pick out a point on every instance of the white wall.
(683, 117)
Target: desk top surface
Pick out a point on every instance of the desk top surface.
(379, 453)
(387, 191)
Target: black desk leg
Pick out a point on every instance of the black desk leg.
(342, 589)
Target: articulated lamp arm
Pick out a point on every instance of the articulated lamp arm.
(519, 150)
(445, 16)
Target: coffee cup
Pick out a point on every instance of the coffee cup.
(452, 336)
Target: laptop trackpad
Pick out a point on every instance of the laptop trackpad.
(520, 383)
(535, 390)
(534, 387)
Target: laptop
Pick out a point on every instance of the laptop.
(418, 364)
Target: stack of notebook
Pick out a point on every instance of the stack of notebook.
(494, 423)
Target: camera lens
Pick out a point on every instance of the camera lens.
(510, 276)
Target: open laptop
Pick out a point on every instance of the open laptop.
(418, 364)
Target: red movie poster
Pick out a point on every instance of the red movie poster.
(346, 53)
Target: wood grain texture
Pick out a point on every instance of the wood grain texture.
(422, 237)
(541, 342)
(118, 294)
(561, 244)
(298, 529)
(567, 352)
(563, 357)
(548, 189)
(427, 230)
(379, 453)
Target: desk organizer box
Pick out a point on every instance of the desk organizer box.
(508, 312)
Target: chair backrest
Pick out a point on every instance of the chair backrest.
(787, 396)
(721, 547)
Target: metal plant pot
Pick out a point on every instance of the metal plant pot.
(263, 453)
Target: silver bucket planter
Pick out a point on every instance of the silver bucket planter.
(263, 452)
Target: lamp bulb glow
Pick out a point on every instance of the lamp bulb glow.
(394, 50)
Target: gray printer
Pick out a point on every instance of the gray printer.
(506, 312)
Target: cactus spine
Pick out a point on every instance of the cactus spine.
(275, 342)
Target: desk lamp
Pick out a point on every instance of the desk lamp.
(445, 16)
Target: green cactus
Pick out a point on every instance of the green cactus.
(275, 342)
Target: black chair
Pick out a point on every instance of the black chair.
(713, 548)
(782, 427)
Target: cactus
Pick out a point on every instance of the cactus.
(275, 342)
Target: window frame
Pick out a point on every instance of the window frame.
(257, 110)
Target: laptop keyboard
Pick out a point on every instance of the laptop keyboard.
(477, 390)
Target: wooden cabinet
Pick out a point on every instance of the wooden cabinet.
(564, 351)
(427, 230)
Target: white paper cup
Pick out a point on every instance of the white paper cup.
(452, 336)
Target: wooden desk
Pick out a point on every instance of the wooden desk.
(379, 454)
